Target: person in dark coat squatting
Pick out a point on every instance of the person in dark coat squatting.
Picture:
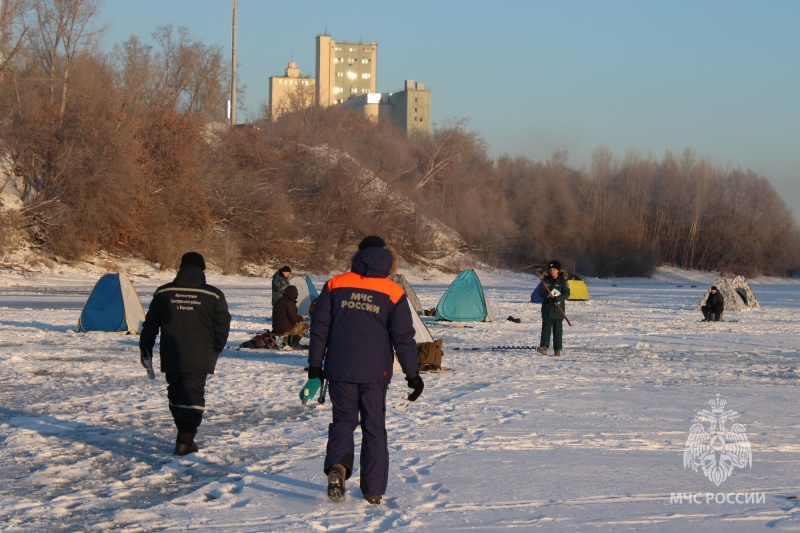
(194, 322)
(361, 319)
(715, 305)
(285, 320)
(552, 318)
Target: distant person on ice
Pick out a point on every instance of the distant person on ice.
(552, 318)
(194, 322)
(715, 305)
(286, 321)
(280, 280)
(361, 320)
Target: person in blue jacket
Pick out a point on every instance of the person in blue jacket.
(360, 321)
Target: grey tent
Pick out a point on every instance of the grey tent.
(410, 294)
(737, 293)
(742, 288)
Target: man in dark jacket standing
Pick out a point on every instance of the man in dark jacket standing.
(360, 321)
(280, 281)
(194, 321)
(285, 320)
(715, 305)
(552, 318)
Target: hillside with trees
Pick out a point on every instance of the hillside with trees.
(129, 153)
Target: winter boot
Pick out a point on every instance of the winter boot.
(185, 444)
(542, 350)
(557, 353)
(336, 488)
(374, 500)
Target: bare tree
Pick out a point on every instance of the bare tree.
(13, 31)
(190, 77)
(63, 29)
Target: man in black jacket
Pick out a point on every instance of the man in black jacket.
(194, 321)
(715, 305)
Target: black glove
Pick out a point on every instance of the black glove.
(145, 354)
(315, 372)
(416, 384)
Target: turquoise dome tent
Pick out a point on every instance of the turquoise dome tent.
(464, 301)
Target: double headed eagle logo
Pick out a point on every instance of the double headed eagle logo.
(716, 449)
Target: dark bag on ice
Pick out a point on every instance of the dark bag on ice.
(262, 340)
(430, 355)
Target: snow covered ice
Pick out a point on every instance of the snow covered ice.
(509, 440)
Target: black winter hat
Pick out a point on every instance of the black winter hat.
(285, 268)
(373, 241)
(193, 259)
(555, 263)
(714, 288)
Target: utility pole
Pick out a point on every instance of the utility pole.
(233, 66)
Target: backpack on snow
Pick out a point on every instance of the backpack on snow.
(260, 341)
(430, 355)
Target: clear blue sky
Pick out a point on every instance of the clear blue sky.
(721, 77)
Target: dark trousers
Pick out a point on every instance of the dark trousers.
(710, 315)
(556, 325)
(186, 393)
(367, 402)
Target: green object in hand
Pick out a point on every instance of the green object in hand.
(310, 389)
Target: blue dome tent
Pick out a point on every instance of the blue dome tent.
(113, 305)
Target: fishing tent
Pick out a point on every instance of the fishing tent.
(421, 331)
(113, 305)
(737, 293)
(464, 301)
(410, 294)
(742, 288)
(577, 289)
(422, 336)
(306, 292)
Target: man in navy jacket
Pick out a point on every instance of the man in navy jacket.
(360, 321)
(194, 322)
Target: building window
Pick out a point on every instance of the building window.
(337, 90)
(366, 75)
(340, 74)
